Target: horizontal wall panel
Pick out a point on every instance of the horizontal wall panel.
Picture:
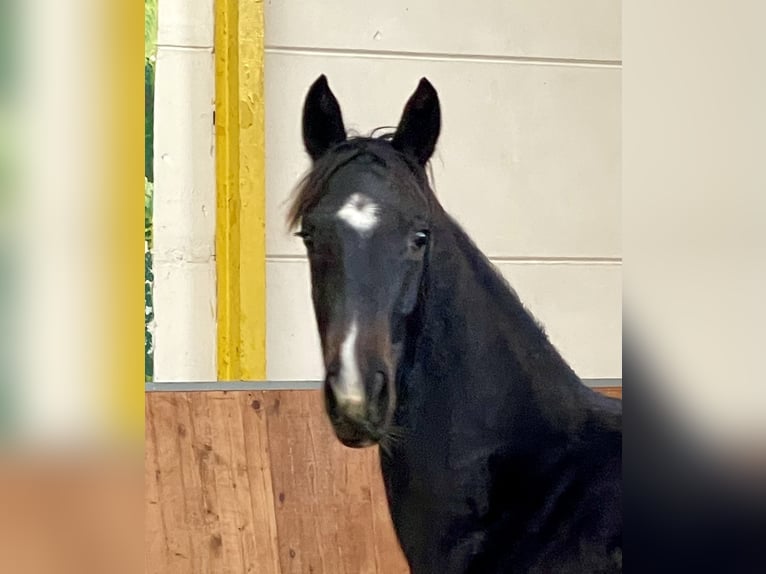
(587, 29)
(580, 307)
(578, 304)
(184, 321)
(187, 23)
(528, 161)
(292, 341)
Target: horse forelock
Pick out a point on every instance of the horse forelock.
(313, 186)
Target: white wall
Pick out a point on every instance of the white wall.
(528, 160)
(185, 329)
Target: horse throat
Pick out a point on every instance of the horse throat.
(476, 353)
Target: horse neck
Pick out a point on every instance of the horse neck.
(481, 348)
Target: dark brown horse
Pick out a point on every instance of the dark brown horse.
(495, 456)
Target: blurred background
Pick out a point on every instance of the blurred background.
(71, 421)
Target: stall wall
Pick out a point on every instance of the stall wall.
(528, 161)
(257, 482)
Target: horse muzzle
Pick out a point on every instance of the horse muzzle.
(360, 410)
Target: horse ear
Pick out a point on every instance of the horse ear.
(322, 120)
(420, 124)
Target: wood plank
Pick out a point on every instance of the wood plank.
(325, 512)
(209, 500)
(258, 472)
(167, 528)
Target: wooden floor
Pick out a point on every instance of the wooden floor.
(242, 482)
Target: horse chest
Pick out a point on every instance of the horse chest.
(437, 504)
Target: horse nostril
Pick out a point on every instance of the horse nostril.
(344, 400)
(381, 390)
(379, 384)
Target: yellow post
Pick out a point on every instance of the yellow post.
(241, 185)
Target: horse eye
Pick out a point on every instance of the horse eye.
(307, 240)
(421, 238)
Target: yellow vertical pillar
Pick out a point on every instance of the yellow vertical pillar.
(241, 185)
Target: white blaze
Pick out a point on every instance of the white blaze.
(359, 213)
(350, 388)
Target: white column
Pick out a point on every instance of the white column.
(185, 331)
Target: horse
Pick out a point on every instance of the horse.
(495, 456)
